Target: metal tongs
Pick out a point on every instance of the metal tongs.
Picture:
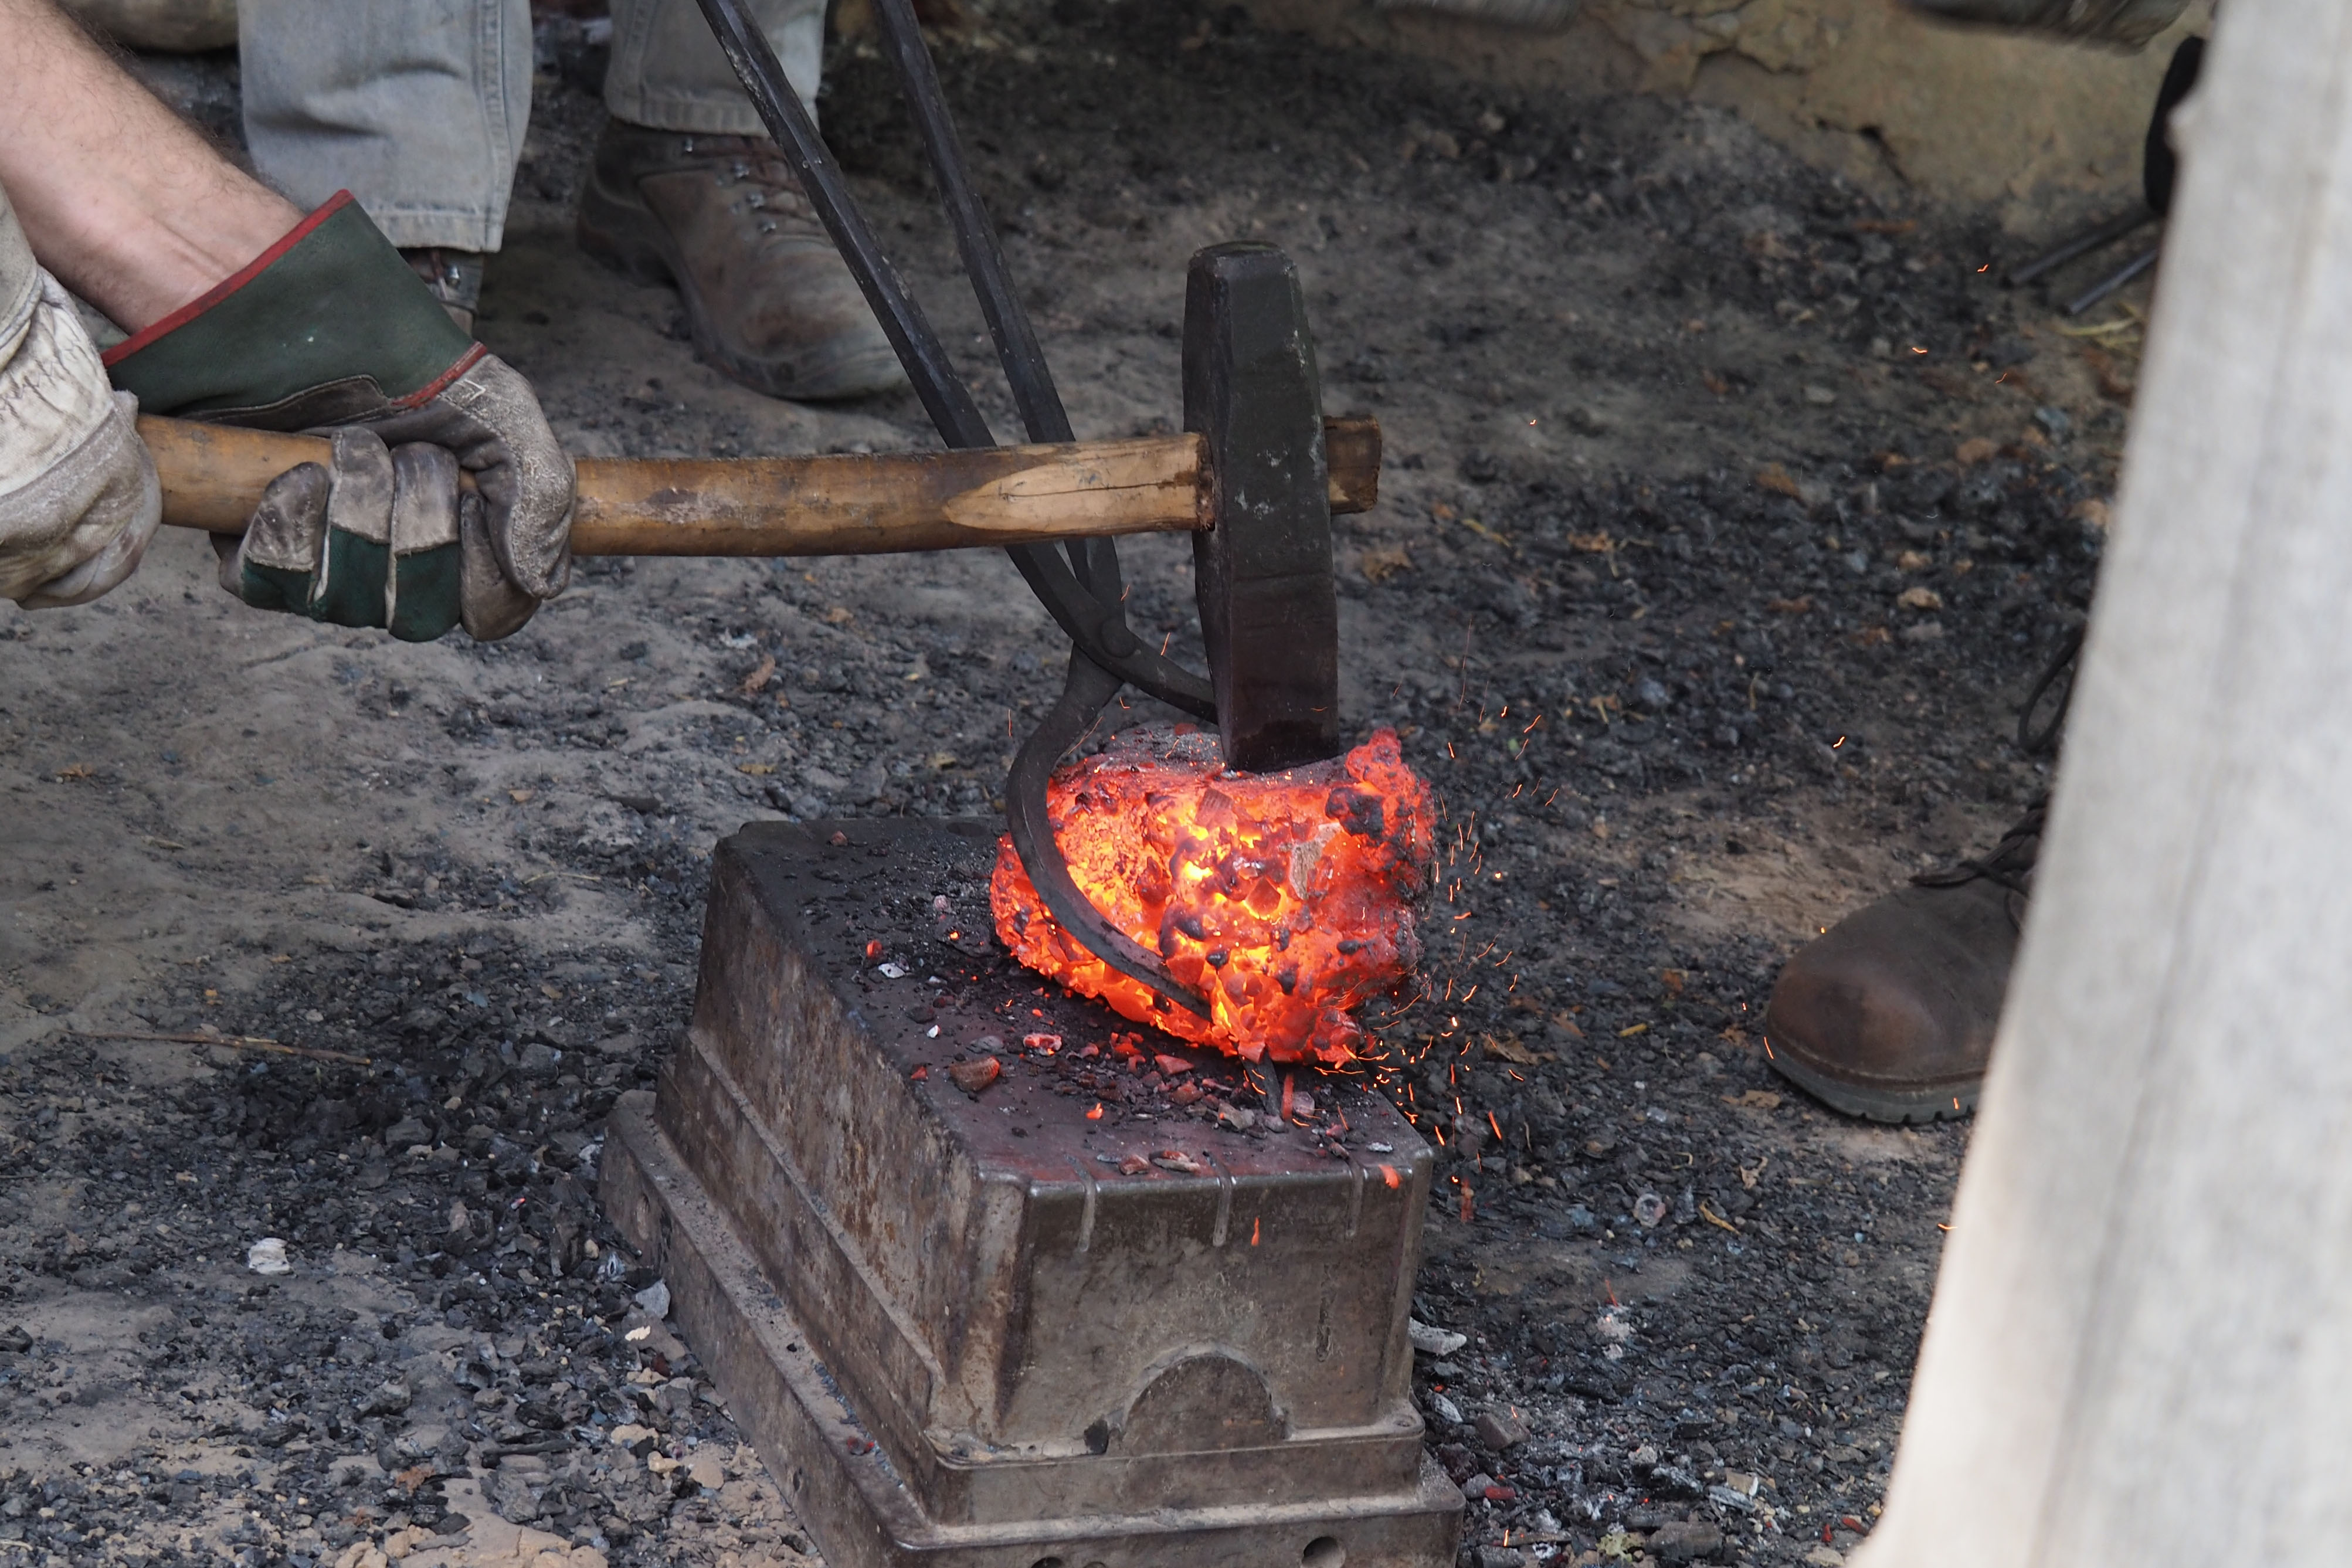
(1082, 591)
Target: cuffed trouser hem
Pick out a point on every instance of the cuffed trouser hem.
(412, 229)
(731, 116)
(669, 74)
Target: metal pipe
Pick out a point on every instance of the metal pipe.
(2083, 244)
(2112, 281)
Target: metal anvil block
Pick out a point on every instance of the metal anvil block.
(956, 1330)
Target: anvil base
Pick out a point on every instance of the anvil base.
(993, 1330)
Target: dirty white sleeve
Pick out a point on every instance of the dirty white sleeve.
(79, 500)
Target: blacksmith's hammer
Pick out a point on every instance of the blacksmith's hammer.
(1256, 480)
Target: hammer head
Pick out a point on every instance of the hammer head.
(1269, 612)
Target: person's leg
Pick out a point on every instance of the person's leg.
(416, 107)
(669, 74)
(686, 188)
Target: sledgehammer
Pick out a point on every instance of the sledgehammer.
(837, 504)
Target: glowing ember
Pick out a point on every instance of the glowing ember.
(1280, 897)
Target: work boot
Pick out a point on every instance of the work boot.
(723, 217)
(1889, 1015)
(455, 278)
(2127, 24)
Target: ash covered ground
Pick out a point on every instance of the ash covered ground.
(1729, 511)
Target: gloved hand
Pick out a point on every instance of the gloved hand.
(330, 329)
(77, 495)
(381, 536)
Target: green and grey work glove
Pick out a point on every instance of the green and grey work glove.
(330, 331)
(380, 536)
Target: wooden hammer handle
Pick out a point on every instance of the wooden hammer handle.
(839, 504)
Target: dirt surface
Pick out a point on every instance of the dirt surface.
(1727, 514)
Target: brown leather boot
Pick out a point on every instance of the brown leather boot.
(769, 300)
(455, 278)
(1890, 1014)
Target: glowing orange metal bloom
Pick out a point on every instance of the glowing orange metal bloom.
(1283, 898)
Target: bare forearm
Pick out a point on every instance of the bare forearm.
(126, 205)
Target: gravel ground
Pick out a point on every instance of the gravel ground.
(1727, 512)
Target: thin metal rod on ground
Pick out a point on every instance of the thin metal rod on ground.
(238, 1042)
(2112, 281)
(2083, 244)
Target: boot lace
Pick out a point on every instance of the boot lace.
(2011, 864)
(761, 182)
(2055, 687)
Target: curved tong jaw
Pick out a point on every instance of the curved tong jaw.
(1269, 612)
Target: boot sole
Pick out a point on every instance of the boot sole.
(622, 232)
(1914, 1108)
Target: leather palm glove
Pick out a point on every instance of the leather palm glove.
(77, 495)
(378, 536)
(330, 331)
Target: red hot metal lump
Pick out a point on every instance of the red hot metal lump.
(1283, 898)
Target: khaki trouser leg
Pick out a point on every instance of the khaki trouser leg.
(416, 107)
(667, 71)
